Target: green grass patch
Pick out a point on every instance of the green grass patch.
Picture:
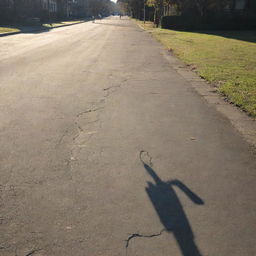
(8, 30)
(225, 58)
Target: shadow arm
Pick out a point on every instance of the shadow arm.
(190, 194)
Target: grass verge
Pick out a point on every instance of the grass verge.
(8, 30)
(224, 58)
(22, 28)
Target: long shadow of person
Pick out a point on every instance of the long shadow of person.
(170, 210)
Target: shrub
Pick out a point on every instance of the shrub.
(212, 22)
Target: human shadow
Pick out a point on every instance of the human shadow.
(170, 211)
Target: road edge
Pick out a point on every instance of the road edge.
(239, 119)
(40, 29)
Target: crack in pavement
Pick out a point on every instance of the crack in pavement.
(3, 247)
(109, 88)
(108, 92)
(145, 158)
(80, 128)
(62, 137)
(142, 236)
(92, 122)
(89, 111)
(32, 252)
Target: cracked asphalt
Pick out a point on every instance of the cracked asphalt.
(79, 107)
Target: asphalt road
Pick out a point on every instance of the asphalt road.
(106, 150)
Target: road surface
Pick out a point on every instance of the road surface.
(106, 150)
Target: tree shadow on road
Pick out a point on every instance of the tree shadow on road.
(38, 29)
(170, 211)
(35, 29)
(112, 24)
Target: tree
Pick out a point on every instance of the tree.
(134, 7)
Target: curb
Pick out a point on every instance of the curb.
(240, 120)
(39, 29)
(9, 33)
